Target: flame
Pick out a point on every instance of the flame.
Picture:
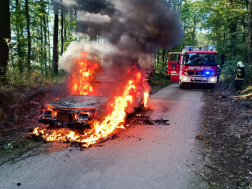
(109, 124)
(114, 120)
(80, 81)
(146, 97)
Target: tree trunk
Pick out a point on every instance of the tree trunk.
(71, 19)
(157, 54)
(55, 39)
(194, 29)
(20, 66)
(62, 30)
(45, 46)
(75, 14)
(28, 35)
(250, 34)
(42, 58)
(163, 58)
(49, 45)
(5, 33)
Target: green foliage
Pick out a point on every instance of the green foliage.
(159, 79)
(41, 20)
(222, 23)
(32, 79)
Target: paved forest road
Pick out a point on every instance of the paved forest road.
(142, 157)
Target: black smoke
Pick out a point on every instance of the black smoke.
(135, 28)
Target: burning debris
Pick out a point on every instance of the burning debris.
(140, 119)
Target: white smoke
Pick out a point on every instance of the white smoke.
(95, 18)
(95, 51)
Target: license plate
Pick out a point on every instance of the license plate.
(198, 78)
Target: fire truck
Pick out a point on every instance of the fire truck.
(195, 65)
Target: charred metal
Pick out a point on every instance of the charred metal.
(75, 111)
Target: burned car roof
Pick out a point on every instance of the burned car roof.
(79, 101)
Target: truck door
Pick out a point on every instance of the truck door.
(174, 59)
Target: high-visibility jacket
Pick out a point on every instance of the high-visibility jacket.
(240, 74)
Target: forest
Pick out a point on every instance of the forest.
(36, 32)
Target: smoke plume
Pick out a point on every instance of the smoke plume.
(131, 31)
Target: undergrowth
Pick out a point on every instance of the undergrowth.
(20, 89)
(158, 81)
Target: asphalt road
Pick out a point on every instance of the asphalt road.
(155, 157)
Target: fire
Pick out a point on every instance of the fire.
(109, 124)
(146, 97)
(114, 120)
(80, 81)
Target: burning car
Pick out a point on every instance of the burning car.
(75, 111)
(99, 106)
(80, 111)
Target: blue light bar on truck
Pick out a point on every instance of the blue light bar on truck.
(207, 73)
(211, 48)
(190, 48)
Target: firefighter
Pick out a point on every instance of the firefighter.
(218, 73)
(239, 76)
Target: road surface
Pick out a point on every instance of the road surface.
(148, 156)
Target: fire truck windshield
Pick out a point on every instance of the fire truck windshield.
(201, 58)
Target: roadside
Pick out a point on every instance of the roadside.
(227, 139)
(157, 82)
(19, 111)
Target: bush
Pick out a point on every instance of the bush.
(228, 72)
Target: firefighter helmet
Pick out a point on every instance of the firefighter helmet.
(240, 64)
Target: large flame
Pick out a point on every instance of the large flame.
(115, 119)
(80, 81)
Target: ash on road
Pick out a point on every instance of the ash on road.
(143, 156)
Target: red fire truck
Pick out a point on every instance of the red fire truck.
(193, 65)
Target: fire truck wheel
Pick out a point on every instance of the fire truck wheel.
(211, 86)
(181, 85)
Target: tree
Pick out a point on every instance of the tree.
(28, 34)
(18, 27)
(55, 38)
(5, 34)
(62, 29)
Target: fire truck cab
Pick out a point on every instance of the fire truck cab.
(193, 65)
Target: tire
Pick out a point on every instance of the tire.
(211, 86)
(181, 85)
